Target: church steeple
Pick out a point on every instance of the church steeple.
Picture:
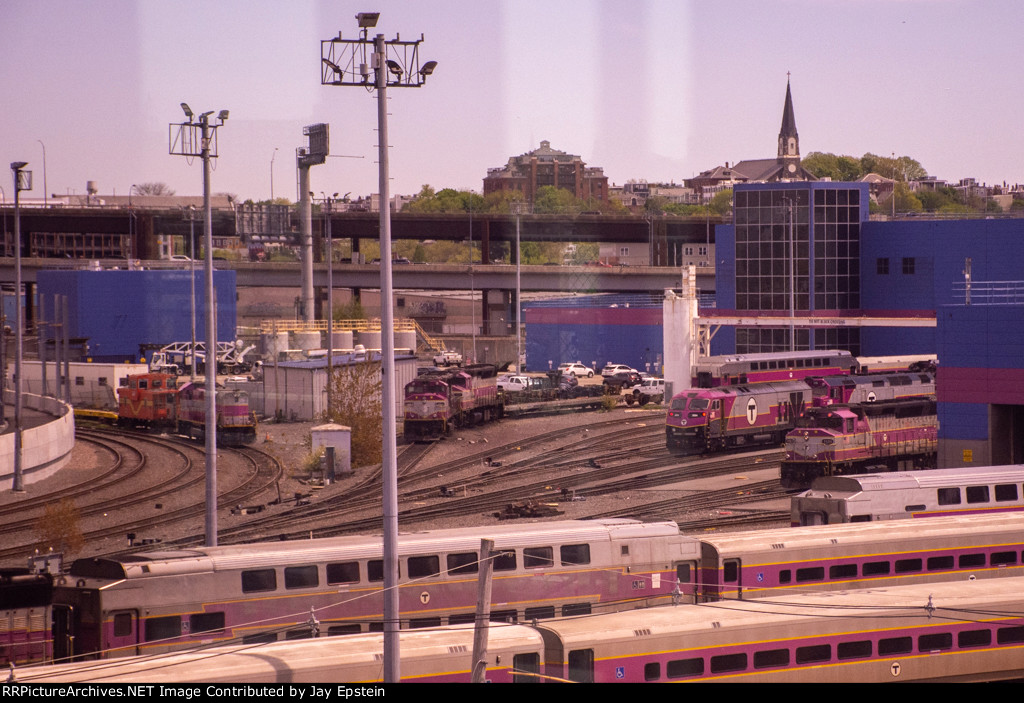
(789, 140)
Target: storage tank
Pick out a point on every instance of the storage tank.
(342, 339)
(405, 341)
(307, 340)
(272, 344)
(370, 339)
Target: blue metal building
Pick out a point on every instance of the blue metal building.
(118, 311)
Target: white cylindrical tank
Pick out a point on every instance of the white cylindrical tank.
(342, 339)
(272, 344)
(307, 340)
(370, 339)
(405, 341)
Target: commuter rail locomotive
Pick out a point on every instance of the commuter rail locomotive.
(917, 494)
(157, 401)
(898, 435)
(172, 600)
(956, 632)
(714, 419)
(25, 599)
(438, 401)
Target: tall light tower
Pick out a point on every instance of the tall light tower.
(313, 155)
(394, 64)
(194, 138)
(22, 181)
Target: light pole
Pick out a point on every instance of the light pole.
(200, 139)
(344, 62)
(46, 193)
(22, 181)
(192, 281)
(272, 157)
(329, 257)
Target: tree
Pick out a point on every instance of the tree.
(59, 529)
(154, 189)
(721, 203)
(356, 401)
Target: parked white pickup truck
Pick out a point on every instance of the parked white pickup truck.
(651, 390)
(448, 358)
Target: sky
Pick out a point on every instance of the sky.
(658, 90)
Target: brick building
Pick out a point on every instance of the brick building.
(545, 166)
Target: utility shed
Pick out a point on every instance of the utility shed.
(297, 390)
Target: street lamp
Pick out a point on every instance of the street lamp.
(272, 157)
(46, 193)
(200, 139)
(22, 181)
(344, 62)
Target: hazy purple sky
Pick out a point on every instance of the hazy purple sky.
(652, 90)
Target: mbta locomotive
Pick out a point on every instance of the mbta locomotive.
(155, 400)
(438, 401)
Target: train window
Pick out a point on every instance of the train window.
(304, 633)
(525, 664)
(122, 624)
(941, 563)
(1005, 492)
(540, 613)
(652, 671)
(842, 571)
(731, 571)
(205, 622)
(860, 518)
(504, 616)
(771, 658)
(301, 577)
(462, 619)
(416, 623)
(973, 638)
(905, 566)
(966, 561)
(348, 628)
(977, 494)
(343, 572)
(420, 567)
(142, 384)
(813, 653)
(581, 665)
(260, 580)
(678, 668)
(570, 609)
(574, 554)
(728, 662)
(934, 642)
(375, 627)
(895, 645)
(875, 568)
(163, 628)
(462, 563)
(261, 638)
(914, 508)
(684, 572)
(538, 557)
(785, 576)
(375, 570)
(1003, 558)
(1010, 635)
(506, 561)
(949, 496)
(854, 650)
(811, 573)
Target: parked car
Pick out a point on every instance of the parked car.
(647, 391)
(576, 368)
(510, 383)
(611, 368)
(621, 379)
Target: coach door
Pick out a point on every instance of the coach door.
(124, 633)
(732, 586)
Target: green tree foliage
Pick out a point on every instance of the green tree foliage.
(356, 403)
(721, 203)
(59, 528)
(849, 168)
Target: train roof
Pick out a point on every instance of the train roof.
(953, 600)
(870, 534)
(772, 356)
(321, 659)
(270, 554)
(933, 478)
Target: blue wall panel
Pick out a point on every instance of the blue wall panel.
(636, 345)
(119, 310)
(963, 421)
